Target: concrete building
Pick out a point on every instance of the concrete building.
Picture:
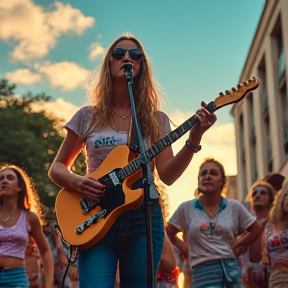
(261, 118)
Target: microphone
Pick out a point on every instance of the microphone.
(128, 69)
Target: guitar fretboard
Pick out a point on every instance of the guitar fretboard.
(159, 146)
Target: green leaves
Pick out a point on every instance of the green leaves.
(31, 140)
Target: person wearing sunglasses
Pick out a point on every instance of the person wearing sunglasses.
(99, 127)
(210, 225)
(259, 201)
(20, 220)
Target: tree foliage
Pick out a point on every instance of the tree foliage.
(30, 139)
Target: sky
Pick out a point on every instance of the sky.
(197, 48)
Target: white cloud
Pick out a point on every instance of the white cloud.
(23, 76)
(67, 75)
(95, 50)
(36, 30)
(218, 142)
(66, 18)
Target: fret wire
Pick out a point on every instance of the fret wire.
(152, 151)
(129, 168)
(134, 166)
(126, 171)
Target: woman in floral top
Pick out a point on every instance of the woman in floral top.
(276, 239)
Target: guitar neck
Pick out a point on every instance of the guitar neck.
(159, 146)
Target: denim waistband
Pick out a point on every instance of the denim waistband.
(207, 263)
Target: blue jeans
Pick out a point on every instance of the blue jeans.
(15, 277)
(126, 241)
(217, 274)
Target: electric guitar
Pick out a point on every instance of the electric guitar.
(84, 223)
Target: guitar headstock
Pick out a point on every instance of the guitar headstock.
(235, 94)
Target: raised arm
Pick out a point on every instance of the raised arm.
(171, 167)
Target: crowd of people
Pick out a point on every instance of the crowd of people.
(223, 242)
(210, 253)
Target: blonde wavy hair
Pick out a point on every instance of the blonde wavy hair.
(28, 198)
(146, 90)
(278, 216)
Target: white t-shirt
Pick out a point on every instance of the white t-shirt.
(211, 242)
(100, 142)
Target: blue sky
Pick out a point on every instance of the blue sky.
(198, 48)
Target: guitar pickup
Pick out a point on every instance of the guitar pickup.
(86, 205)
(93, 219)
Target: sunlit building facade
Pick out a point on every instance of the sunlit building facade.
(261, 119)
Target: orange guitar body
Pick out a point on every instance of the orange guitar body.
(69, 212)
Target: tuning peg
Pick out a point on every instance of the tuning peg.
(221, 94)
(227, 92)
(250, 80)
(239, 86)
(233, 89)
(245, 83)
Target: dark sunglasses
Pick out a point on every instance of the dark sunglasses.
(119, 53)
(262, 192)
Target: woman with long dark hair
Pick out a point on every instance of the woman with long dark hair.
(19, 218)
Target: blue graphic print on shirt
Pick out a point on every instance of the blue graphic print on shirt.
(105, 141)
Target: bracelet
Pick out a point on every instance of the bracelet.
(192, 147)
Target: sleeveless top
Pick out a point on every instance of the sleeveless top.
(14, 240)
(277, 248)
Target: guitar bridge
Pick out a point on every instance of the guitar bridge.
(92, 220)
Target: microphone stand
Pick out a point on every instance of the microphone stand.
(147, 178)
